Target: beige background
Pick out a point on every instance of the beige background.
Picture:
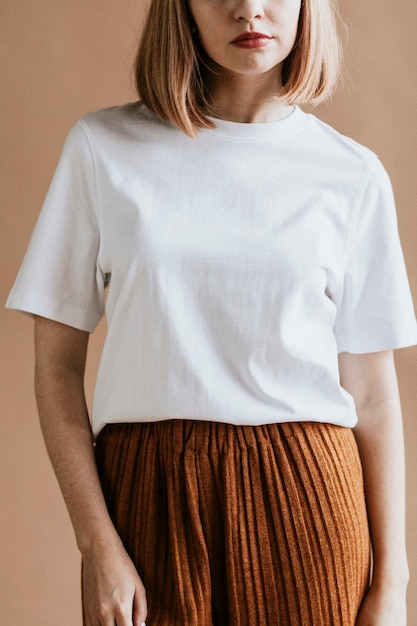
(59, 60)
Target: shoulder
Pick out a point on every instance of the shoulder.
(121, 122)
(116, 134)
(346, 161)
(339, 148)
(334, 139)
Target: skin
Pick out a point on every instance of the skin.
(244, 83)
(243, 87)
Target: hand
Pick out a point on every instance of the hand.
(113, 592)
(383, 607)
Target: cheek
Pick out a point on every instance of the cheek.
(290, 26)
(210, 36)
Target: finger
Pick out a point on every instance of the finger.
(140, 608)
(123, 616)
(115, 615)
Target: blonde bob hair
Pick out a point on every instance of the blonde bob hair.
(170, 66)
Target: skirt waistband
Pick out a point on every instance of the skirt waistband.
(209, 437)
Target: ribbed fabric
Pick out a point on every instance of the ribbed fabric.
(240, 525)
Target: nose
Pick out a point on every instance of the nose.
(248, 10)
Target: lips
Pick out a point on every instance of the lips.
(251, 40)
(251, 36)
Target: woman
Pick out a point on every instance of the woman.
(246, 418)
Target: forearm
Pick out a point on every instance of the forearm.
(66, 428)
(112, 589)
(379, 435)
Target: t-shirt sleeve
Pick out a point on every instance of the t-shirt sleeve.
(60, 276)
(374, 307)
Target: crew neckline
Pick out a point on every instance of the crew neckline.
(258, 131)
(242, 131)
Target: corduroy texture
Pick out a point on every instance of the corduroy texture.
(240, 525)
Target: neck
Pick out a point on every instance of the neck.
(246, 99)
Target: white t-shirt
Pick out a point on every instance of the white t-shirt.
(239, 264)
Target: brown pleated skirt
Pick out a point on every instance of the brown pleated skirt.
(240, 525)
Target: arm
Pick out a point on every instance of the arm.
(371, 380)
(111, 585)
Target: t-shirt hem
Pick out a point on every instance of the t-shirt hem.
(347, 422)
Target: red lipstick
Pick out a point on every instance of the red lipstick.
(251, 40)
